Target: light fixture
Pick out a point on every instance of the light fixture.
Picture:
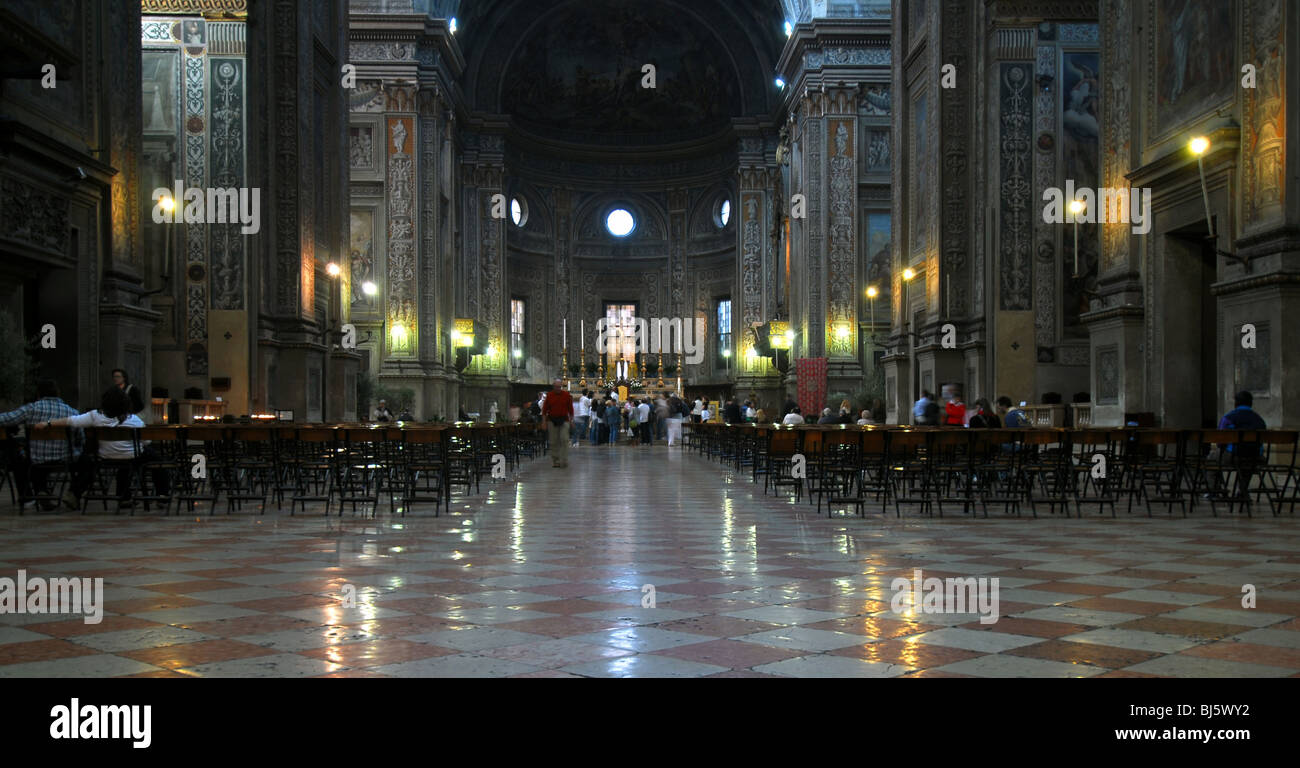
(1076, 207)
(726, 353)
(369, 288)
(167, 202)
(492, 350)
(1199, 146)
(842, 330)
(909, 273)
(399, 335)
(451, 24)
(872, 292)
(519, 353)
(789, 339)
(780, 83)
(332, 269)
(455, 339)
(789, 29)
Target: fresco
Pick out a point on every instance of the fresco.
(920, 173)
(582, 70)
(1080, 155)
(1194, 64)
(363, 253)
(878, 251)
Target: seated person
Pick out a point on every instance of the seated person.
(32, 470)
(984, 417)
(793, 417)
(114, 411)
(1013, 418)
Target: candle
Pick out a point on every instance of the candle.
(947, 298)
(564, 330)
(582, 334)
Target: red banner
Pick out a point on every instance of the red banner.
(811, 375)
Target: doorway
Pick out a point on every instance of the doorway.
(1190, 320)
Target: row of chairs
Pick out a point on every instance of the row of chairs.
(848, 467)
(348, 465)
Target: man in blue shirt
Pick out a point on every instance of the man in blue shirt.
(1011, 417)
(919, 411)
(1246, 455)
(43, 455)
(1242, 416)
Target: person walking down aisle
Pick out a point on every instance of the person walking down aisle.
(675, 408)
(558, 410)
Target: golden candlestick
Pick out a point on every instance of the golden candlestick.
(661, 370)
(564, 367)
(582, 368)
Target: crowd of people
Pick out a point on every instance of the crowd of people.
(980, 414)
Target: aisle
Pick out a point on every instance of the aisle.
(545, 575)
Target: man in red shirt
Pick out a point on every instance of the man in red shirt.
(557, 409)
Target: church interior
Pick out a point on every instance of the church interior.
(298, 299)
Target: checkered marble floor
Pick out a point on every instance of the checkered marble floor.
(542, 575)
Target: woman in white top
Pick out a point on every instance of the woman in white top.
(704, 413)
(114, 411)
(793, 417)
(697, 411)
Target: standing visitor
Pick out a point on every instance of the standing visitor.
(955, 412)
(613, 418)
(643, 420)
(581, 418)
(132, 391)
(926, 410)
(558, 409)
(697, 411)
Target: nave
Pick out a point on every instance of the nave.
(545, 574)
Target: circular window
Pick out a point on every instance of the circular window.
(724, 213)
(619, 222)
(518, 212)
